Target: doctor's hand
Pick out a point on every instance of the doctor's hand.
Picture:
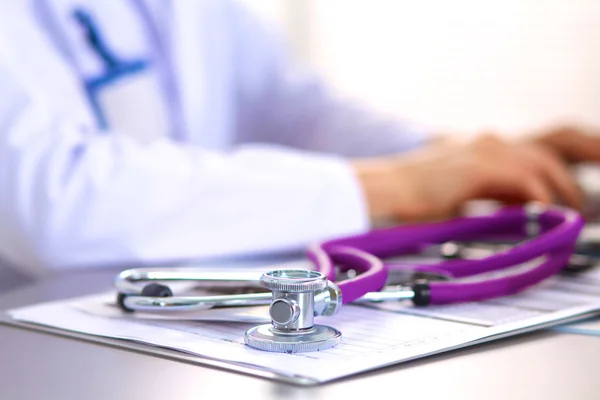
(435, 182)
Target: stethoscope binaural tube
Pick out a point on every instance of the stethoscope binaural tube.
(558, 230)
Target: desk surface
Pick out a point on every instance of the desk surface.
(35, 365)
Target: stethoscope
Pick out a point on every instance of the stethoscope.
(547, 239)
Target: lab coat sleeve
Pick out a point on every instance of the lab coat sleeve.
(71, 196)
(293, 107)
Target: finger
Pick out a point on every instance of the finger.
(554, 171)
(512, 181)
(574, 145)
(536, 190)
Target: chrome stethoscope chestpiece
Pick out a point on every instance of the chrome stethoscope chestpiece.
(298, 296)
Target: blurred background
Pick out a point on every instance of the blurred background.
(462, 66)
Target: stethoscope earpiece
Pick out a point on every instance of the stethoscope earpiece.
(150, 290)
(156, 290)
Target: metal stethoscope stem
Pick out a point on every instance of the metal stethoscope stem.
(127, 282)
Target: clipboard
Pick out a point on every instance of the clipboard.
(269, 365)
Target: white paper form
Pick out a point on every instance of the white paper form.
(372, 337)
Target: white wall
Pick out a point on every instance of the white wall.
(465, 65)
(456, 65)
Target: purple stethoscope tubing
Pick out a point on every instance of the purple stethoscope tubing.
(558, 227)
(373, 272)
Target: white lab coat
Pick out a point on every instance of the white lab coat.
(253, 160)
